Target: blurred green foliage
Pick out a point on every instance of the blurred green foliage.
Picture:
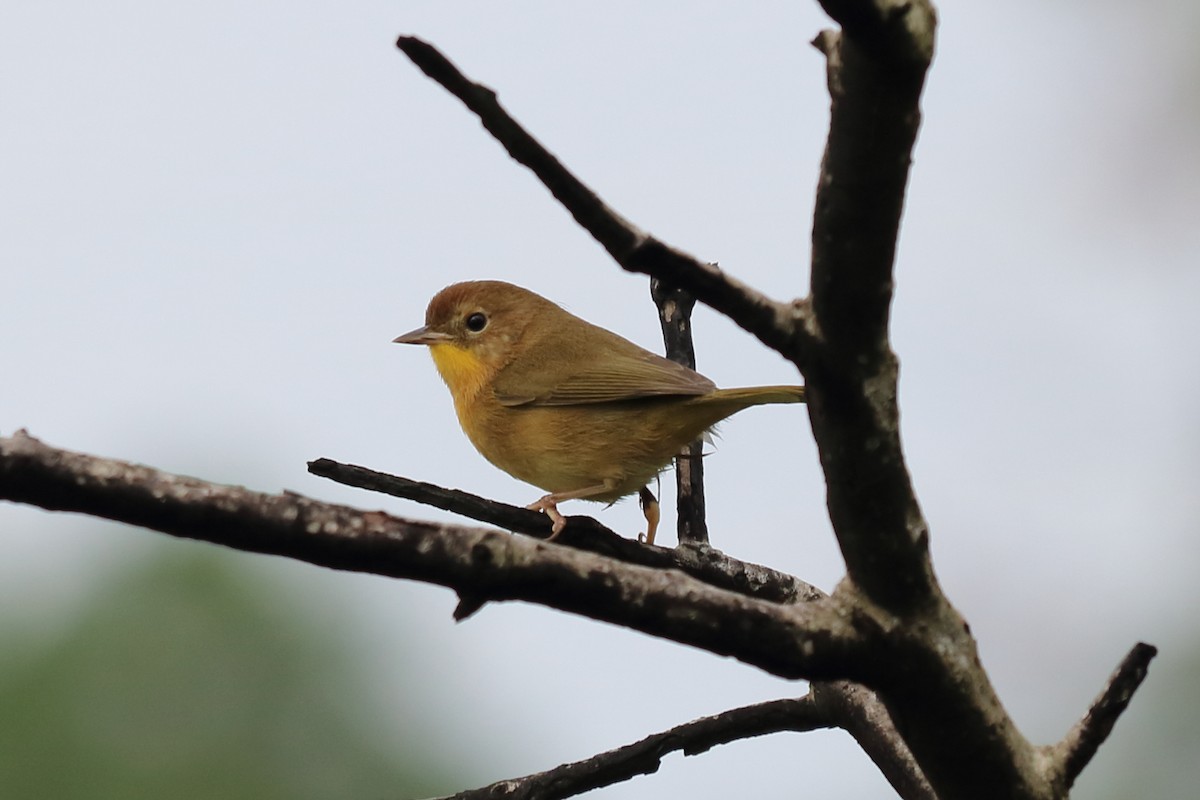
(188, 676)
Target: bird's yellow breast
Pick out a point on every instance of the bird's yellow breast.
(467, 377)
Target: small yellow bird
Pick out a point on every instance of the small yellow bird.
(565, 405)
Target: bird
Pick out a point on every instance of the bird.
(567, 406)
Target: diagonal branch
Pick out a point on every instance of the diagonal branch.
(645, 756)
(1075, 751)
(858, 711)
(635, 250)
(804, 640)
(827, 705)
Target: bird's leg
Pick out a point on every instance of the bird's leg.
(548, 505)
(649, 504)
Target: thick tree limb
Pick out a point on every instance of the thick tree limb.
(873, 125)
(635, 250)
(799, 640)
(876, 69)
(468, 561)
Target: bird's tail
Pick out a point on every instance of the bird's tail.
(758, 395)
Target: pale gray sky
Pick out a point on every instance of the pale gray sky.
(216, 216)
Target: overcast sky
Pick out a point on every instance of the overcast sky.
(215, 217)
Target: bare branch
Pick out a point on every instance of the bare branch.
(644, 757)
(804, 640)
(635, 250)
(675, 317)
(1076, 750)
(828, 705)
(858, 711)
(852, 384)
(702, 562)
(513, 518)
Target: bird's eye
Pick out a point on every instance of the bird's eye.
(476, 322)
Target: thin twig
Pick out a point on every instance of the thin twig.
(513, 518)
(675, 317)
(584, 533)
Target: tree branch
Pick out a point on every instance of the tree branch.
(645, 757)
(675, 317)
(827, 705)
(1075, 751)
(876, 69)
(850, 706)
(900, 30)
(476, 562)
(635, 250)
(858, 711)
(805, 640)
(852, 383)
(704, 563)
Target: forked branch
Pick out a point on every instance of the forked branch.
(827, 705)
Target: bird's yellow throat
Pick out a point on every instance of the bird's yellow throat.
(461, 369)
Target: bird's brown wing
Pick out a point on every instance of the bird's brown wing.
(603, 368)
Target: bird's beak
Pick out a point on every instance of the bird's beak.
(422, 335)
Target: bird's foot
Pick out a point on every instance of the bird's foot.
(548, 505)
